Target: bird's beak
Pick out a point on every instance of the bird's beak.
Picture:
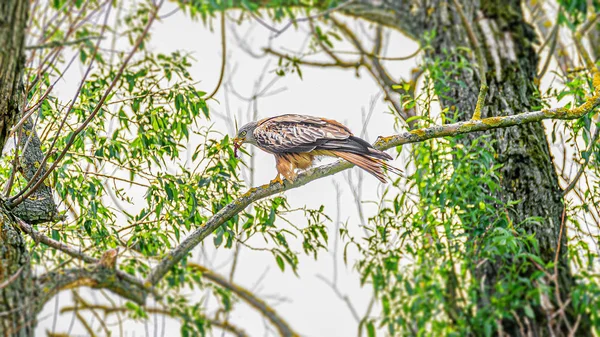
(237, 143)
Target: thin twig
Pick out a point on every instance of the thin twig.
(480, 60)
(280, 324)
(294, 21)
(54, 44)
(116, 310)
(585, 162)
(223, 57)
(33, 181)
(554, 39)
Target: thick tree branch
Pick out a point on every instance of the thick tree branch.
(280, 324)
(40, 208)
(97, 277)
(254, 194)
(120, 280)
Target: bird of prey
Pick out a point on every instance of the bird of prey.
(296, 140)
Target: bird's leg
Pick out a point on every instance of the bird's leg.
(277, 179)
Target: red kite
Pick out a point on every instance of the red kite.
(296, 140)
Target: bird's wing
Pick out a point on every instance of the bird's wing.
(298, 133)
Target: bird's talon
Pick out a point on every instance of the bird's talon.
(277, 180)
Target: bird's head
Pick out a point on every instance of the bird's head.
(245, 135)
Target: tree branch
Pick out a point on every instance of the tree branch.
(96, 277)
(120, 280)
(335, 64)
(41, 208)
(588, 153)
(223, 58)
(293, 21)
(280, 324)
(82, 305)
(254, 194)
(54, 44)
(480, 59)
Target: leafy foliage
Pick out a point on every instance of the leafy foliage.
(130, 181)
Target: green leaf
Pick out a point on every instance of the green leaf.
(370, 329)
(280, 262)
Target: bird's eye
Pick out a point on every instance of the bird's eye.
(243, 133)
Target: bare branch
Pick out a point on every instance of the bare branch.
(371, 62)
(54, 44)
(586, 161)
(480, 59)
(82, 305)
(280, 324)
(11, 279)
(553, 42)
(542, 21)
(296, 20)
(223, 57)
(297, 60)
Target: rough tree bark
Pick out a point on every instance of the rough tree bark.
(528, 174)
(17, 291)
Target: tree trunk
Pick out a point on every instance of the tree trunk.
(528, 176)
(17, 292)
(529, 179)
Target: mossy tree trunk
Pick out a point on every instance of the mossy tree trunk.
(17, 291)
(528, 176)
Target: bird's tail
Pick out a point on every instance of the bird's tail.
(372, 165)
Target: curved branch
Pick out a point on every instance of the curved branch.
(223, 55)
(121, 280)
(254, 194)
(293, 21)
(96, 277)
(573, 182)
(282, 326)
(336, 64)
(480, 59)
(373, 65)
(112, 310)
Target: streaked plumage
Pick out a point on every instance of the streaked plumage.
(296, 140)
